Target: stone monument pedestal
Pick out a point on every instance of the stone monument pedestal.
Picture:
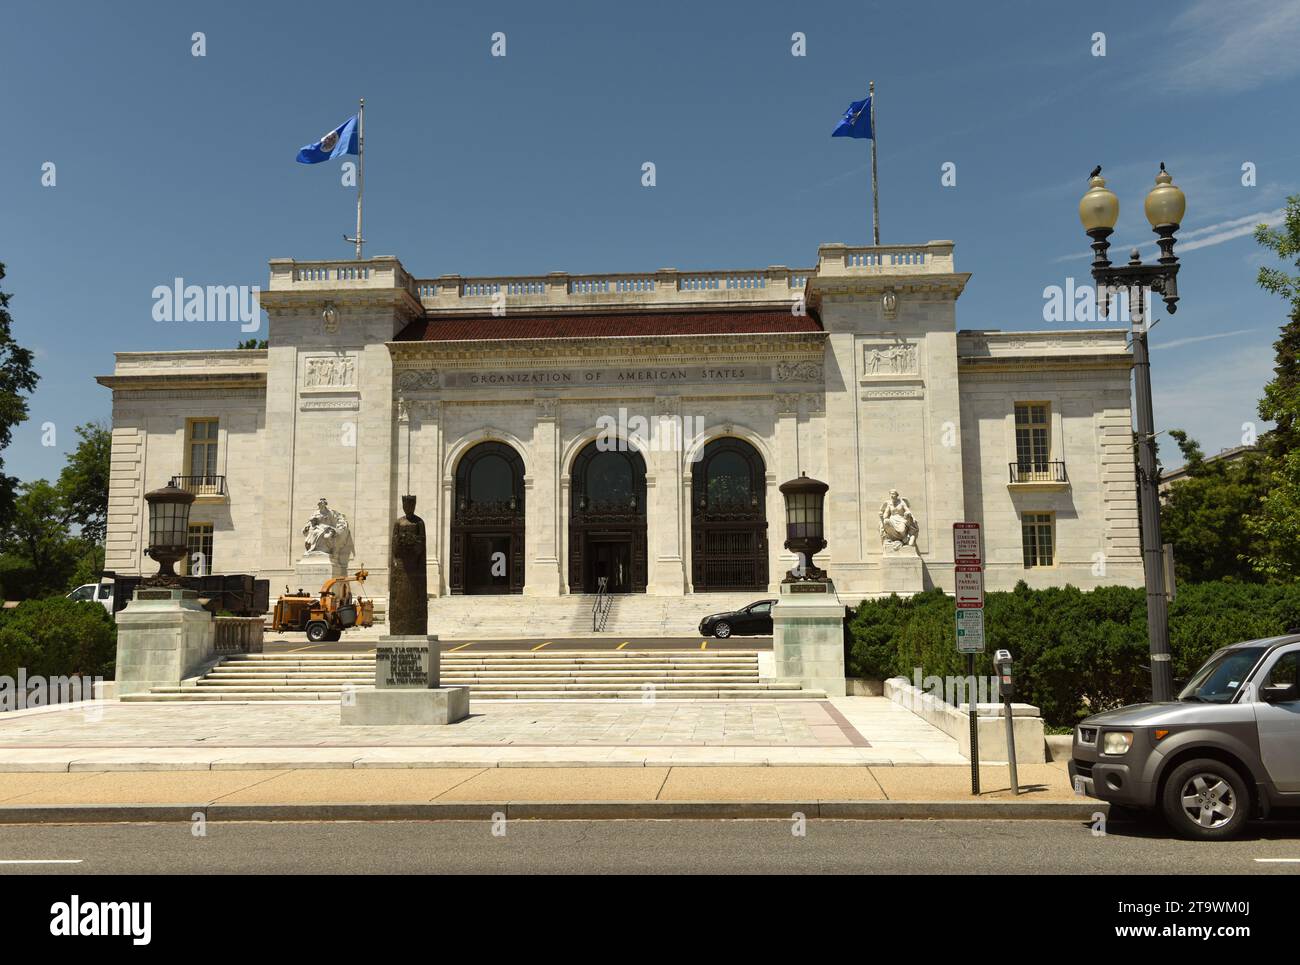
(314, 569)
(406, 687)
(808, 636)
(163, 637)
(901, 571)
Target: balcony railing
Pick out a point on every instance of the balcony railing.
(201, 485)
(1038, 472)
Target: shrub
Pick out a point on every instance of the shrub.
(1076, 652)
(57, 637)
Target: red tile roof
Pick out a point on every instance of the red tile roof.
(461, 328)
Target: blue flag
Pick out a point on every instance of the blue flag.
(856, 121)
(342, 140)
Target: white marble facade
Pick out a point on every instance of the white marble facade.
(872, 388)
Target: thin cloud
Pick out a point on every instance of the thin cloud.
(1203, 237)
(1227, 230)
(1178, 342)
(1241, 45)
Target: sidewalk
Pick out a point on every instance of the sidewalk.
(469, 793)
(846, 757)
(108, 735)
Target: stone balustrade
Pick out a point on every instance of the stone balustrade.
(237, 634)
(775, 285)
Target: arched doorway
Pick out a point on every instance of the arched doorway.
(487, 527)
(729, 518)
(607, 530)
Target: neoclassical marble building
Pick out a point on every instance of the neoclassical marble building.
(562, 428)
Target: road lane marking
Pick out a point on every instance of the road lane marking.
(540, 645)
(461, 647)
(40, 860)
(704, 644)
(622, 645)
(1278, 860)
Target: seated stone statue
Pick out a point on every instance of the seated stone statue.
(898, 527)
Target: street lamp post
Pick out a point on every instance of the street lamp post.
(1099, 210)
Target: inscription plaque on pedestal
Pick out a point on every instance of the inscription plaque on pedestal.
(398, 666)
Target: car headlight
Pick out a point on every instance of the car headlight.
(1117, 742)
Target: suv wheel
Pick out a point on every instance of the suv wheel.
(1206, 800)
(722, 630)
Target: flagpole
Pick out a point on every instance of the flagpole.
(361, 168)
(875, 195)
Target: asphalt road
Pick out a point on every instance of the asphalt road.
(644, 847)
(297, 643)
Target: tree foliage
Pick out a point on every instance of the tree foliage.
(57, 637)
(83, 483)
(1277, 525)
(37, 557)
(17, 379)
(1075, 652)
(1204, 515)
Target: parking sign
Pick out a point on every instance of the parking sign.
(970, 631)
(966, 544)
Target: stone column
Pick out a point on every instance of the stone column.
(542, 569)
(426, 484)
(785, 448)
(665, 519)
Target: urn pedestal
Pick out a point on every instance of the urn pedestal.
(808, 636)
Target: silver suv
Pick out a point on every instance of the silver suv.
(1226, 750)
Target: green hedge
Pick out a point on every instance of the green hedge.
(1076, 652)
(57, 637)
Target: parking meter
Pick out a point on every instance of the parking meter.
(1007, 690)
(1006, 680)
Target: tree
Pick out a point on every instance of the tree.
(1277, 525)
(1281, 402)
(1202, 515)
(252, 343)
(83, 483)
(16, 377)
(38, 557)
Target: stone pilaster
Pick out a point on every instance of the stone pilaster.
(543, 572)
(666, 519)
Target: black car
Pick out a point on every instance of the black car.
(751, 621)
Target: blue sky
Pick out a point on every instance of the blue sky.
(174, 165)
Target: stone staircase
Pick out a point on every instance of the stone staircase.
(526, 675)
(631, 615)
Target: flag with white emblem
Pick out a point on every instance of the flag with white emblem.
(342, 140)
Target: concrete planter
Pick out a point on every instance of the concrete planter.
(955, 722)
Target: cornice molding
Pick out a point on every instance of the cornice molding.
(794, 346)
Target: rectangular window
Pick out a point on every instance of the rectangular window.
(201, 451)
(198, 550)
(1038, 538)
(1033, 438)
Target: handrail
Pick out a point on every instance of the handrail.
(600, 608)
